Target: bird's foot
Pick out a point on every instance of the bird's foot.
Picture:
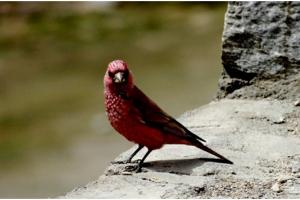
(138, 170)
(118, 162)
(136, 161)
(135, 168)
(131, 168)
(125, 161)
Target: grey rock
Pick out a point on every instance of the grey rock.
(238, 129)
(283, 179)
(261, 50)
(276, 187)
(279, 121)
(295, 167)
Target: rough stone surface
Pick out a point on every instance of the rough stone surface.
(264, 151)
(261, 50)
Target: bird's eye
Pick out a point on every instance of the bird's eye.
(126, 73)
(110, 74)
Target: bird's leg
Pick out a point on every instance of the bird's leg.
(140, 165)
(134, 153)
(131, 156)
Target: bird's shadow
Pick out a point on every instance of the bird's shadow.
(179, 166)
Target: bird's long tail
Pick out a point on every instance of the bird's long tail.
(205, 148)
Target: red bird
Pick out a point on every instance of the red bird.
(139, 119)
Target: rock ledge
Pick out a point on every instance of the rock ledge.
(261, 137)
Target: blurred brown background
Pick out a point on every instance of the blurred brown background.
(54, 134)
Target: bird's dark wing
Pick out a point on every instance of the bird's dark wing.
(150, 114)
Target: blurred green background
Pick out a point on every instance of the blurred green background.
(54, 134)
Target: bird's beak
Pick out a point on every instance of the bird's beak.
(119, 77)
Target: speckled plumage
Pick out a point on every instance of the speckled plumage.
(133, 128)
(138, 118)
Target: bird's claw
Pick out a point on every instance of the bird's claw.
(125, 161)
(136, 161)
(138, 170)
(119, 162)
(133, 168)
(130, 168)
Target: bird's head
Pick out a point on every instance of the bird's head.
(118, 76)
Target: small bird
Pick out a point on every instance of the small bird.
(139, 119)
